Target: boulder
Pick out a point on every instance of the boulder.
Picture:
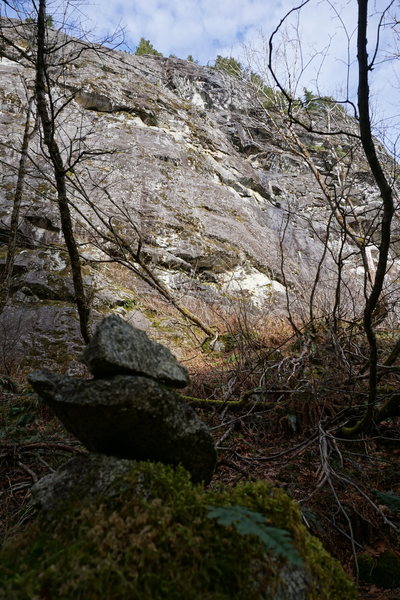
(84, 476)
(130, 417)
(117, 348)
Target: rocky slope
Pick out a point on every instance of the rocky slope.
(183, 162)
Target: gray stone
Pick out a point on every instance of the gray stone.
(130, 417)
(97, 102)
(36, 335)
(83, 476)
(118, 348)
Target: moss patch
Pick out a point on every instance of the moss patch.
(149, 537)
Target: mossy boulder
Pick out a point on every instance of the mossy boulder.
(148, 535)
(86, 476)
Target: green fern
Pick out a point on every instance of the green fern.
(390, 500)
(248, 522)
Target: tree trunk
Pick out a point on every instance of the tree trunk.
(388, 210)
(50, 141)
(19, 189)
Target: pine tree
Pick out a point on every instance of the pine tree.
(146, 47)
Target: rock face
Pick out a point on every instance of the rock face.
(130, 416)
(197, 176)
(117, 347)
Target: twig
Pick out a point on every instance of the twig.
(328, 472)
(340, 530)
(45, 463)
(368, 499)
(55, 445)
(225, 436)
(231, 465)
(15, 488)
(250, 413)
(28, 470)
(296, 450)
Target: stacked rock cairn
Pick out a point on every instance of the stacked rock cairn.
(130, 409)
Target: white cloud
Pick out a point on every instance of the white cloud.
(198, 27)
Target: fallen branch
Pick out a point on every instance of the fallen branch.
(28, 470)
(50, 445)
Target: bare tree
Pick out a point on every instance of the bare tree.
(386, 192)
(46, 111)
(299, 116)
(45, 108)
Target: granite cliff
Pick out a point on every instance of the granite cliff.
(182, 163)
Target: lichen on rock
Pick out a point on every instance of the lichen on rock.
(198, 168)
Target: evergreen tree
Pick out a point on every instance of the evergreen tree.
(228, 64)
(146, 47)
(48, 20)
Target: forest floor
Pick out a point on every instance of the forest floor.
(348, 491)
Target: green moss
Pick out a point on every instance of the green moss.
(383, 570)
(13, 99)
(340, 152)
(150, 538)
(150, 313)
(204, 402)
(129, 304)
(316, 148)
(44, 188)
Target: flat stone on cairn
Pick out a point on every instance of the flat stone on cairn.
(117, 348)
